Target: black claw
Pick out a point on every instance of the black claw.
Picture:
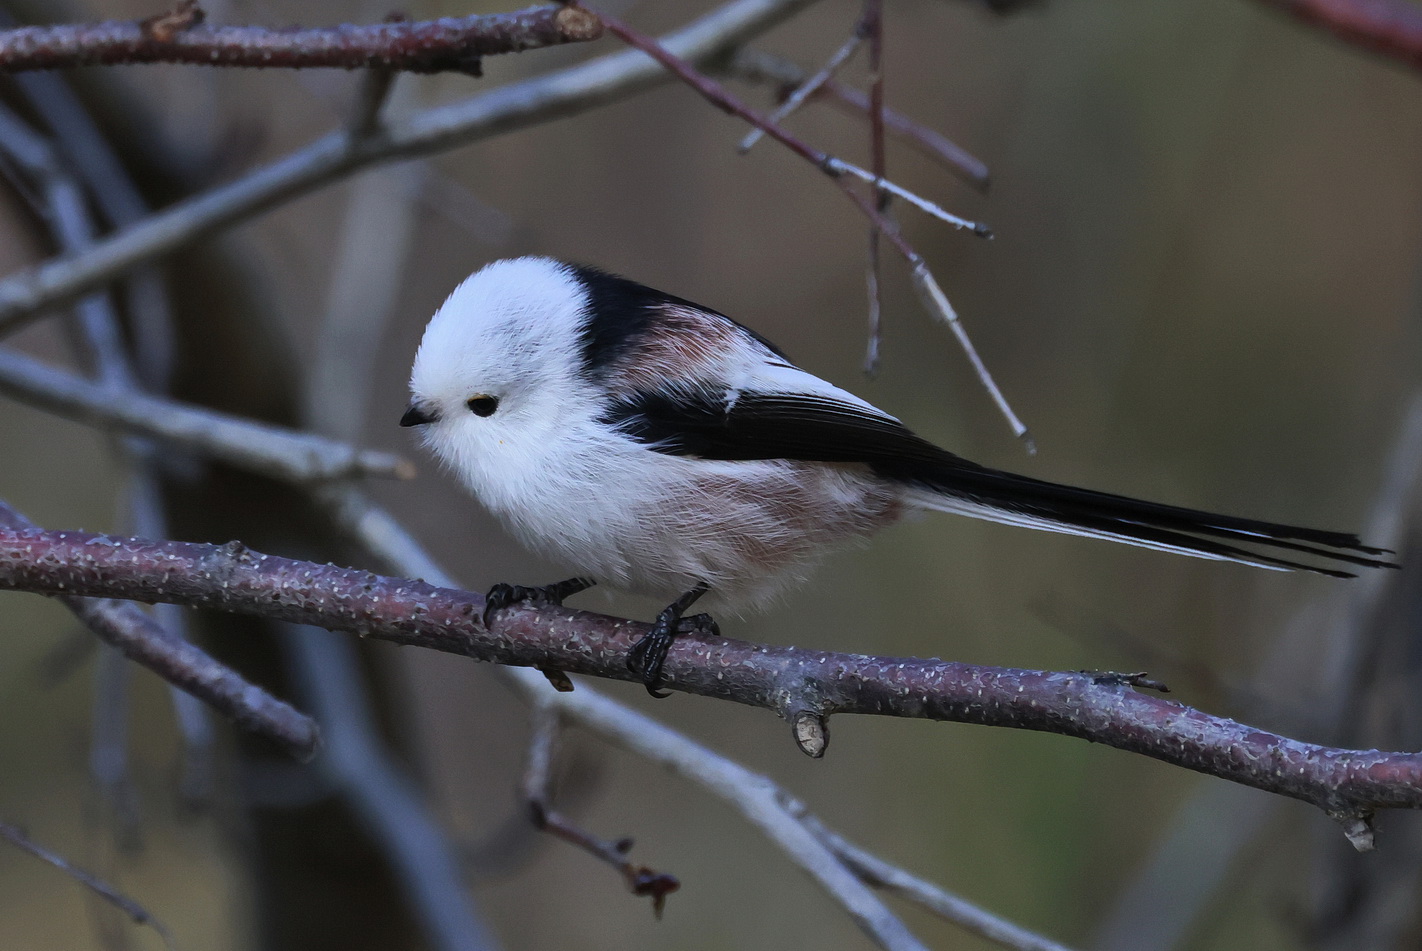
(702, 625)
(501, 595)
(647, 656)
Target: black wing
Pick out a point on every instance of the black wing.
(717, 424)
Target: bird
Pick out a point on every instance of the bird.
(658, 446)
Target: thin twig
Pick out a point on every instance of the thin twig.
(804, 687)
(720, 97)
(371, 96)
(110, 894)
(871, 23)
(836, 169)
(449, 44)
(936, 302)
(537, 782)
(877, 873)
(806, 89)
(758, 66)
(259, 447)
(556, 95)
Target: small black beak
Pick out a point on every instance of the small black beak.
(417, 415)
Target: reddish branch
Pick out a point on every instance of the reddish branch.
(1390, 27)
(449, 43)
(805, 686)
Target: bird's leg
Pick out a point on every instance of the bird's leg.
(501, 596)
(649, 654)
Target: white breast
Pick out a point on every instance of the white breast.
(660, 524)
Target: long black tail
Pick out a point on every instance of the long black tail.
(985, 493)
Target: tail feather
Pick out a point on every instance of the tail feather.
(1018, 500)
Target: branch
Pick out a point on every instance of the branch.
(270, 450)
(782, 818)
(555, 95)
(804, 687)
(432, 46)
(1391, 28)
(184, 665)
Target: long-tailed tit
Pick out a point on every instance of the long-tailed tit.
(660, 447)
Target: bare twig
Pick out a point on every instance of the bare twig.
(837, 170)
(451, 43)
(805, 687)
(137, 637)
(271, 450)
(110, 894)
(758, 66)
(880, 874)
(806, 89)
(371, 96)
(871, 23)
(537, 780)
(720, 97)
(555, 95)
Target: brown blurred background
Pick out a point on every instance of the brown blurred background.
(1202, 290)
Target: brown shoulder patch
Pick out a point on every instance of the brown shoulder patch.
(683, 343)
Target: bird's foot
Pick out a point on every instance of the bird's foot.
(501, 596)
(647, 656)
(703, 625)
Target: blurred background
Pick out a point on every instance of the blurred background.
(1202, 290)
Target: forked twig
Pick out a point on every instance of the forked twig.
(758, 66)
(537, 791)
(837, 171)
(806, 89)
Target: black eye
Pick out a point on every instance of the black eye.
(483, 405)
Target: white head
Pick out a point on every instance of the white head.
(498, 373)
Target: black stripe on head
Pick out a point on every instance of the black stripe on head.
(619, 313)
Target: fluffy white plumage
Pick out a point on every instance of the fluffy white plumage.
(649, 443)
(596, 500)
